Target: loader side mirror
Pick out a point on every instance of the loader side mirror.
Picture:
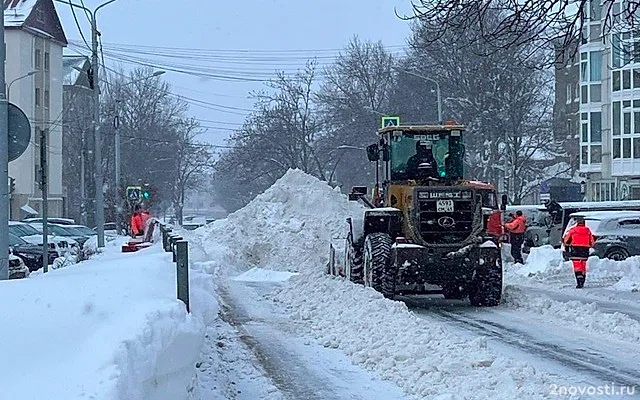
(503, 202)
(357, 192)
(385, 153)
(373, 153)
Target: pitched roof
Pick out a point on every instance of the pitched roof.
(39, 17)
(70, 75)
(16, 12)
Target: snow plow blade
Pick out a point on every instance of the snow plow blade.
(134, 246)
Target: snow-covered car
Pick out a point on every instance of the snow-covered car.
(617, 233)
(30, 234)
(30, 253)
(73, 238)
(59, 221)
(17, 268)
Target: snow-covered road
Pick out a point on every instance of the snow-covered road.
(286, 366)
(582, 358)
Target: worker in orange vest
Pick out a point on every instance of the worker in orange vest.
(578, 241)
(516, 229)
(137, 226)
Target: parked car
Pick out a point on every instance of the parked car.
(59, 221)
(66, 231)
(617, 233)
(33, 236)
(17, 268)
(31, 254)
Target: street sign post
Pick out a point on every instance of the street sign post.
(390, 121)
(19, 132)
(134, 194)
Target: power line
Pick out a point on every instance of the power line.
(75, 18)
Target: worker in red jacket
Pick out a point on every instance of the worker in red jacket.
(137, 226)
(578, 241)
(516, 229)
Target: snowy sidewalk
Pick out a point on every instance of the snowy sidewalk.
(109, 328)
(291, 367)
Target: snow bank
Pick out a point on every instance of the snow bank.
(109, 328)
(586, 316)
(287, 228)
(546, 265)
(264, 275)
(425, 359)
(541, 259)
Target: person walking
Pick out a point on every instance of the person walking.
(516, 229)
(578, 241)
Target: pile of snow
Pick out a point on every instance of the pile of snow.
(546, 265)
(264, 275)
(425, 359)
(540, 260)
(109, 328)
(289, 227)
(586, 316)
(622, 275)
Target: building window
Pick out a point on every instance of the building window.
(626, 79)
(585, 127)
(626, 123)
(584, 155)
(626, 148)
(569, 93)
(595, 61)
(46, 102)
(47, 61)
(596, 154)
(585, 94)
(616, 118)
(38, 61)
(616, 81)
(38, 99)
(617, 50)
(596, 127)
(636, 148)
(616, 148)
(596, 93)
(584, 68)
(595, 10)
(595, 32)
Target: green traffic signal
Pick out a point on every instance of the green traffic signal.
(145, 194)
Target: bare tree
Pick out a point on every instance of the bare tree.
(192, 160)
(506, 105)
(281, 134)
(542, 23)
(355, 91)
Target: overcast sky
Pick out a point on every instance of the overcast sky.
(263, 25)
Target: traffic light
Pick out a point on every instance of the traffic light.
(146, 194)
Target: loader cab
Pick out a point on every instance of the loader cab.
(427, 153)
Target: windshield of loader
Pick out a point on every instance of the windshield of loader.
(423, 155)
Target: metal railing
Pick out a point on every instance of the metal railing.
(174, 243)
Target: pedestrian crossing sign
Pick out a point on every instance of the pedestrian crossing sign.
(390, 121)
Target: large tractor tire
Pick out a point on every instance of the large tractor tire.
(486, 287)
(379, 270)
(454, 291)
(353, 263)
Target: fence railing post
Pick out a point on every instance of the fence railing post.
(182, 273)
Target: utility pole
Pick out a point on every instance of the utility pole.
(116, 126)
(83, 193)
(44, 186)
(99, 177)
(4, 162)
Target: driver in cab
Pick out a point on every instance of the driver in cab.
(422, 164)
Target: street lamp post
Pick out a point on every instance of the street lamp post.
(30, 73)
(426, 78)
(99, 174)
